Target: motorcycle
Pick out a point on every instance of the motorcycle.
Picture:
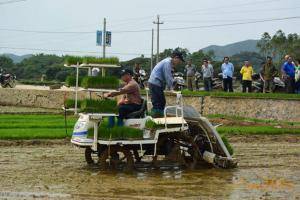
(141, 78)
(217, 83)
(258, 84)
(179, 82)
(198, 77)
(7, 80)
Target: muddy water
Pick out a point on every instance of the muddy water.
(269, 168)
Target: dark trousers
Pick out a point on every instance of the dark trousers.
(157, 97)
(247, 84)
(227, 84)
(207, 84)
(290, 85)
(297, 87)
(126, 109)
(197, 83)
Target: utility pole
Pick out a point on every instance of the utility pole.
(157, 23)
(104, 44)
(152, 42)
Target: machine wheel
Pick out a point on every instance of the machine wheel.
(188, 156)
(116, 157)
(91, 157)
(182, 149)
(3, 85)
(12, 83)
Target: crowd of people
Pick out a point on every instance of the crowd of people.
(161, 78)
(290, 74)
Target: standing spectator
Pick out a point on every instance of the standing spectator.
(268, 73)
(190, 74)
(289, 75)
(207, 71)
(247, 72)
(297, 76)
(286, 58)
(227, 72)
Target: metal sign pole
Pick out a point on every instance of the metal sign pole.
(104, 44)
(76, 88)
(152, 49)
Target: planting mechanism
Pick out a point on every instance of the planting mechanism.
(190, 141)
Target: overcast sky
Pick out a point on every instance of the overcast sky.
(132, 15)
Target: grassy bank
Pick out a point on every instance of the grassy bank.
(252, 126)
(254, 120)
(256, 130)
(35, 126)
(243, 95)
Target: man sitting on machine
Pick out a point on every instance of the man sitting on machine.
(131, 100)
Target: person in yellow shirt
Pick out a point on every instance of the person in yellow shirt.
(247, 72)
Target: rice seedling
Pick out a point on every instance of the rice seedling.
(35, 126)
(71, 81)
(95, 60)
(227, 144)
(99, 106)
(242, 95)
(73, 60)
(70, 103)
(100, 82)
(116, 132)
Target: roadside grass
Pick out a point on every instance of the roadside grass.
(14, 126)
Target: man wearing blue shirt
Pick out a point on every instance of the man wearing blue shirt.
(160, 78)
(289, 74)
(227, 72)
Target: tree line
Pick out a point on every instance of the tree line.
(279, 45)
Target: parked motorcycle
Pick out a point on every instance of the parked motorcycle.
(141, 78)
(197, 80)
(217, 83)
(179, 82)
(258, 84)
(7, 80)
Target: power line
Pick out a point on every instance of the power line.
(67, 51)
(219, 7)
(164, 29)
(47, 32)
(230, 24)
(247, 11)
(11, 1)
(213, 20)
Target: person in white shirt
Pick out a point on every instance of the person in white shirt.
(227, 72)
(207, 72)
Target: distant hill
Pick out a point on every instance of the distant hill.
(231, 49)
(16, 58)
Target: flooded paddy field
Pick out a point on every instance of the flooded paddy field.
(269, 168)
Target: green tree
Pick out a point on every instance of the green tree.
(6, 63)
(279, 44)
(264, 44)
